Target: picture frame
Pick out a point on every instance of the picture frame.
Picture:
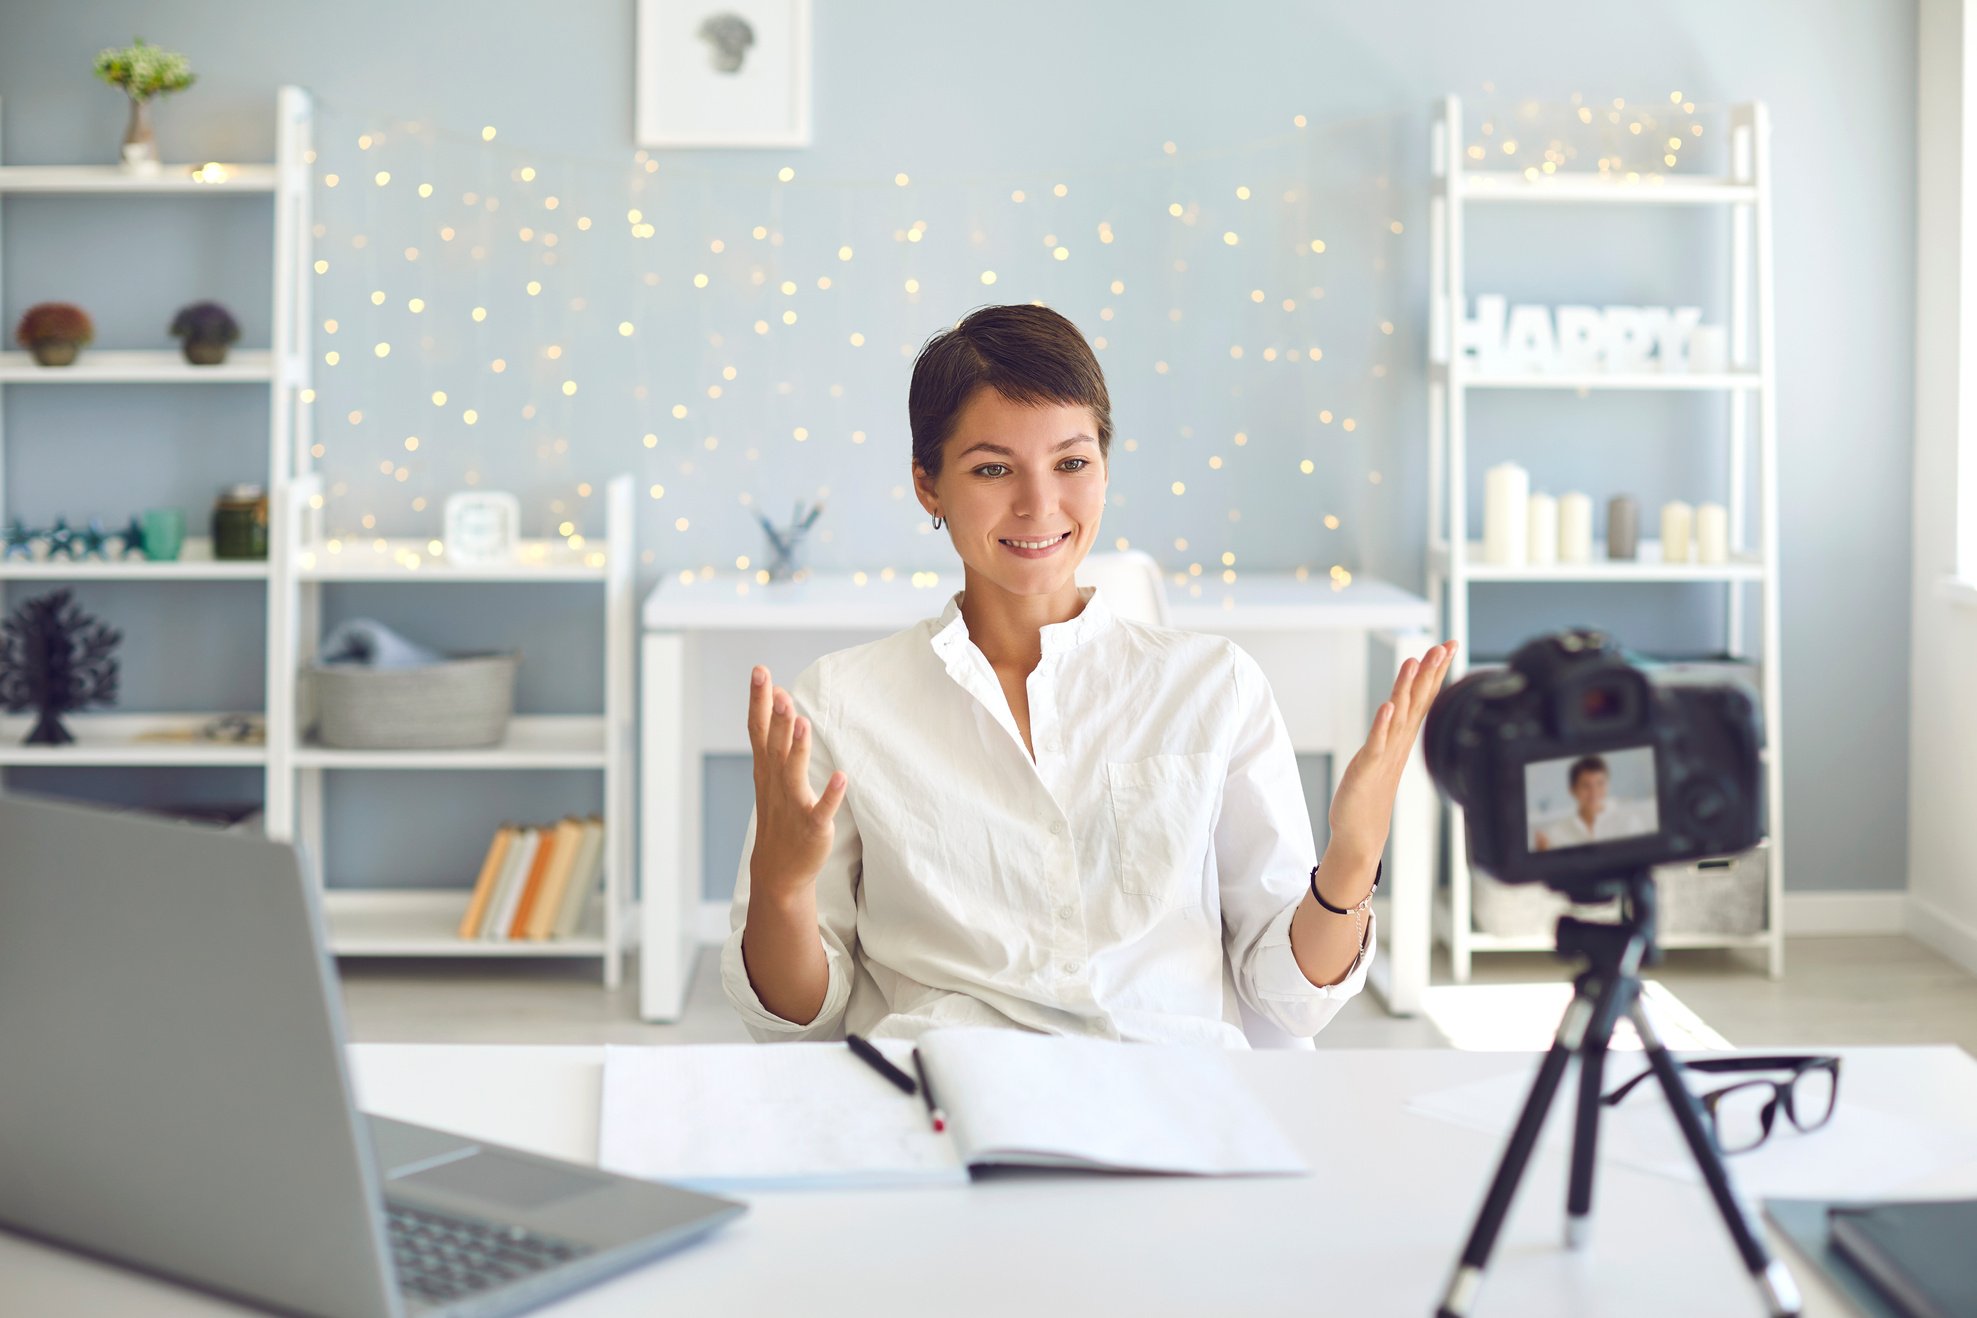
(722, 73)
(482, 527)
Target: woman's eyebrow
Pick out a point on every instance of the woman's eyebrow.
(1010, 453)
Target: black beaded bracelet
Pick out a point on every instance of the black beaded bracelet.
(1346, 910)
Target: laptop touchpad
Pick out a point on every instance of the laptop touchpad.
(510, 1182)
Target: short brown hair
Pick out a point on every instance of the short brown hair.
(1028, 354)
(1586, 764)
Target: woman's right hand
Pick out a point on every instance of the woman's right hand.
(793, 828)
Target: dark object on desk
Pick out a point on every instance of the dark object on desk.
(1918, 1253)
(934, 1114)
(55, 659)
(877, 1061)
(1742, 1115)
(218, 1115)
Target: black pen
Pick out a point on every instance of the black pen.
(927, 1092)
(879, 1063)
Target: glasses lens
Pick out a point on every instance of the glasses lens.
(1742, 1115)
(1813, 1095)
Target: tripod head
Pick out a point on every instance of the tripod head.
(1605, 943)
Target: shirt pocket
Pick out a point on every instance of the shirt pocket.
(1161, 810)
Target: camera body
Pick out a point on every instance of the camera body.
(1574, 768)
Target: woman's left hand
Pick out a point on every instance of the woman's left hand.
(1363, 806)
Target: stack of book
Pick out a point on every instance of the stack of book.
(536, 880)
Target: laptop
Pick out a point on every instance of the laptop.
(174, 1096)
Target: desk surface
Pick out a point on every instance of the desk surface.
(1373, 1231)
(837, 601)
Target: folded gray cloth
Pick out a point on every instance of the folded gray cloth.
(368, 642)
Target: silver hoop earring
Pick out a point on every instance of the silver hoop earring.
(937, 522)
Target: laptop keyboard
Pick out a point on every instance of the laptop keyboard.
(440, 1257)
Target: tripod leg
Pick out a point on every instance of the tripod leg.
(1615, 994)
(1468, 1278)
(1774, 1282)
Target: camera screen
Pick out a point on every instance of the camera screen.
(1590, 798)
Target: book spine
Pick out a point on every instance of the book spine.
(517, 923)
(502, 909)
(542, 914)
(497, 853)
(583, 879)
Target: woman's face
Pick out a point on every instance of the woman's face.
(1016, 473)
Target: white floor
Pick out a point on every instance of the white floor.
(1869, 990)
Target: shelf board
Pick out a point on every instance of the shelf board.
(537, 741)
(194, 563)
(117, 740)
(1546, 942)
(139, 366)
(1648, 567)
(1672, 381)
(1649, 189)
(114, 178)
(414, 560)
(425, 922)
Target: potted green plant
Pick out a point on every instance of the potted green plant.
(205, 329)
(143, 71)
(54, 332)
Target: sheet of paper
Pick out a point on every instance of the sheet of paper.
(1862, 1152)
(1024, 1098)
(740, 1117)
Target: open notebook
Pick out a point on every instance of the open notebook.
(791, 1115)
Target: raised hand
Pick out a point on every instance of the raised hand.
(793, 825)
(1363, 806)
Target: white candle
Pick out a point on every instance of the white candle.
(1506, 496)
(1677, 523)
(1543, 520)
(1712, 533)
(1709, 349)
(1575, 528)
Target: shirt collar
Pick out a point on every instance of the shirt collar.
(951, 629)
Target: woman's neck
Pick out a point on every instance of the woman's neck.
(1008, 628)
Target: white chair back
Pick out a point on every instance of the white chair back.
(1134, 589)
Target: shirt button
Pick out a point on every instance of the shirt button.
(1066, 912)
(1056, 826)
(1073, 967)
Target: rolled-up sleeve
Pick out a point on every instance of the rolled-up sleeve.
(1264, 851)
(837, 890)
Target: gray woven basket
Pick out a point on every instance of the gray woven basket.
(460, 702)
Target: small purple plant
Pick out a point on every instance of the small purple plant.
(206, 329)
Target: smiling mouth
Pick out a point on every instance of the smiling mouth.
(1035, 544)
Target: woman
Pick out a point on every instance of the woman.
(1029, 811)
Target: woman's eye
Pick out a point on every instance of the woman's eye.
(1082, 463)
(993, 467)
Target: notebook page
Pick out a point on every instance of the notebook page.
(1022, 1098)
(735, 1117)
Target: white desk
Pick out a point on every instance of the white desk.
(1374, 1231)
(701, 639)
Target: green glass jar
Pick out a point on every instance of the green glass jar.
(240, 522)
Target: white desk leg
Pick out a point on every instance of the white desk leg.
(669, 829)
(1410, 872)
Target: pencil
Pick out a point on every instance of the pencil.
(938, 1117)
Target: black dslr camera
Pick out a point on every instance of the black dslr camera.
(1574, 768)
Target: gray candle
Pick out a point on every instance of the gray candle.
(1623, 526)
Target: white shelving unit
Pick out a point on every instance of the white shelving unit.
(363, 922)
(1749, 388)
(392, 921)
(128, 739)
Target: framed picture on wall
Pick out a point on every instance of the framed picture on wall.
(723, 73)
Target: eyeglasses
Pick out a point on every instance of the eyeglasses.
(1741, 1115)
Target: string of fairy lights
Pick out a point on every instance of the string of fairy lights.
(741, 337)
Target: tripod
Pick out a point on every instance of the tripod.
(1609, 986)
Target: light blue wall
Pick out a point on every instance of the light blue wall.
(972, 102)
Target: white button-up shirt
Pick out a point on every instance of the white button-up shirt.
(1125, 884)
(1616, 819)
